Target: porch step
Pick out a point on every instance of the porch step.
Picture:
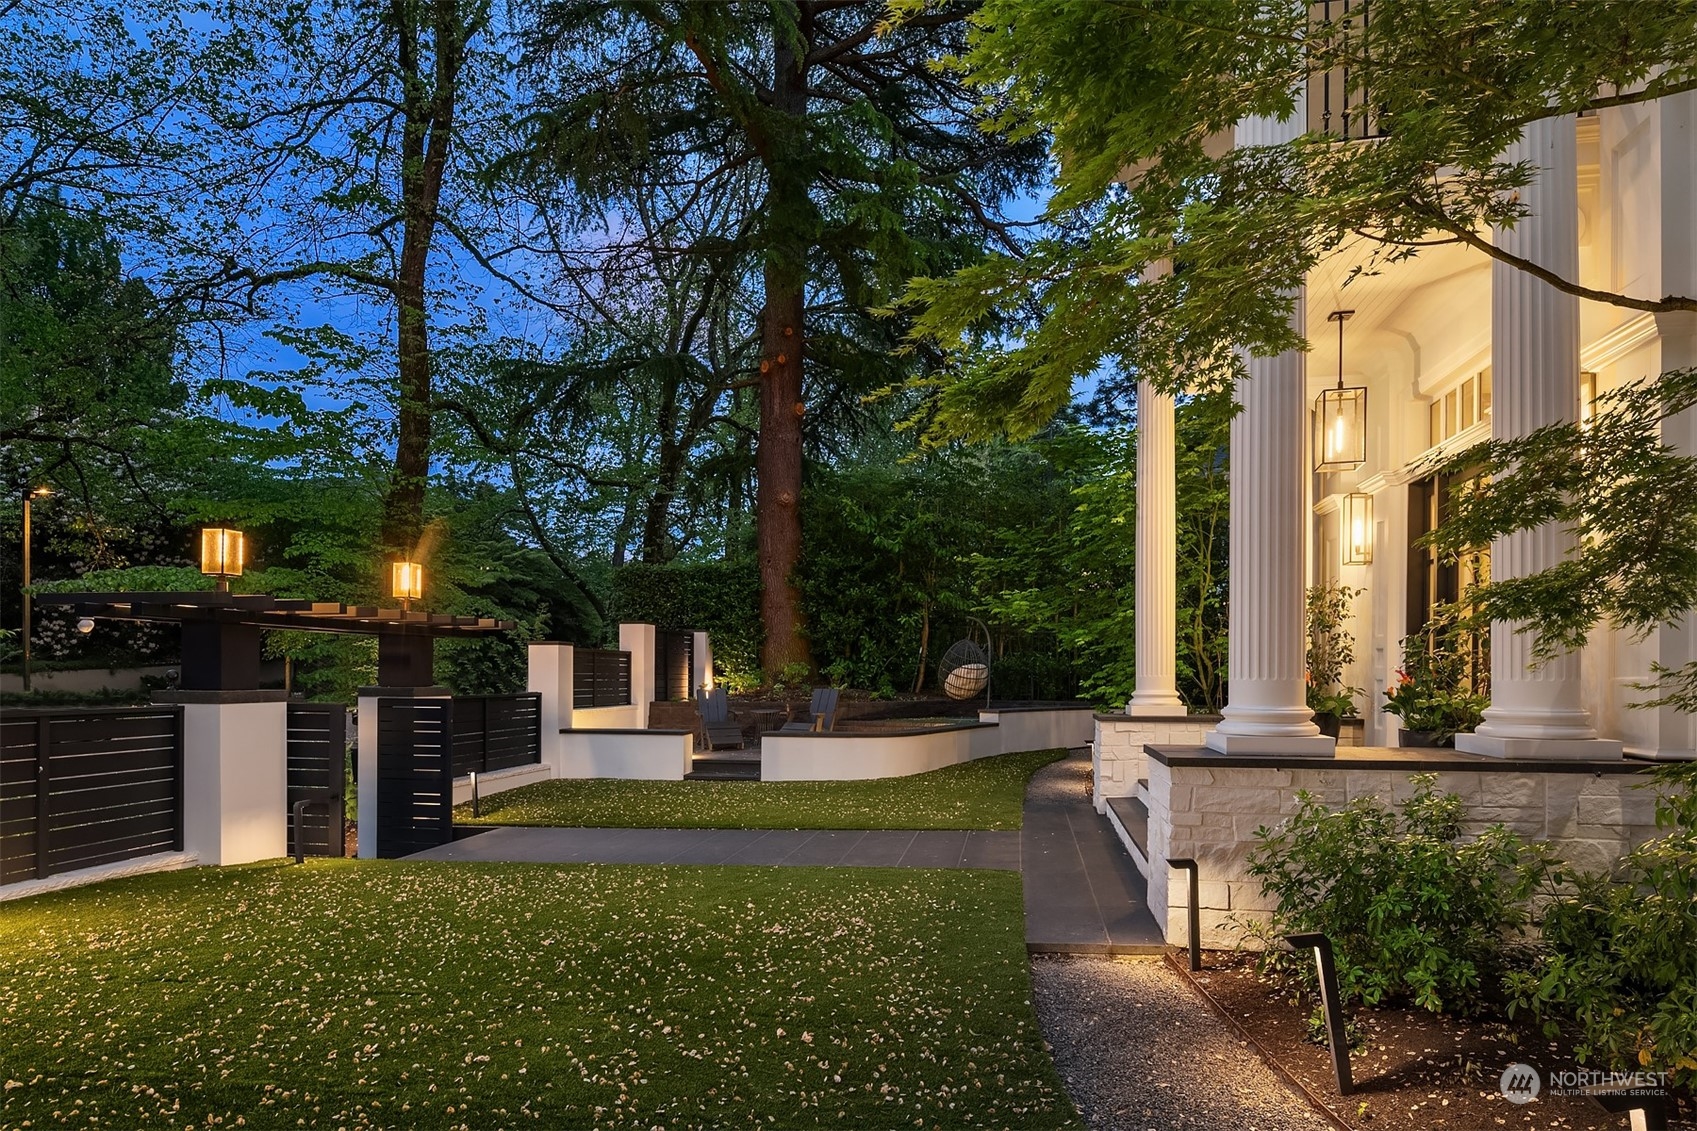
(1131, 820)
(725, 765)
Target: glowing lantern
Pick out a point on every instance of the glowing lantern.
(223, 552)
(406, 581)
(1340, 418)
(1357, 511)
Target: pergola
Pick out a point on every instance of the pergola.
(221, 631)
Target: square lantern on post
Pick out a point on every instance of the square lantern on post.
(223, 553)
(406, 582)
(1357, 534)
(1340, 418)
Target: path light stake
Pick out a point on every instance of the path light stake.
(1330, 1002)
(300, 829)
(1646, 1113)
(475, 812)
(1195, 914)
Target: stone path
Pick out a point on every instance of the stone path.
(1138, 1050)
(1082, 893)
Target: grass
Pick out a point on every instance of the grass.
(377, 993)
(985, 794)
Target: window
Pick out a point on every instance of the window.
(1461, 408)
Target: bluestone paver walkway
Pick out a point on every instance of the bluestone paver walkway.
(1082, 893)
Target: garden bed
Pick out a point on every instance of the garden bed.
(1414, 1070)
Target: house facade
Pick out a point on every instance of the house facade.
(1451, 347)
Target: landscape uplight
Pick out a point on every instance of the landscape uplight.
(223, 553)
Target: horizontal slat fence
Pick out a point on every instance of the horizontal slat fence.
(80, 787)
(317, 757)
(496, 732)
(415, 775)
(600, 678)
(673, 658)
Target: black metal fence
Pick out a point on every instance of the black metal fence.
(600, 678)
(1339, 101)
(496, 732)
(86, 786)
(317, 758)
(415, 775)
(674, 655)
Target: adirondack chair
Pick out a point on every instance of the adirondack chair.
(722, 733)
(822, 713)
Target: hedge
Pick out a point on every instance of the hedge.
(719, 598)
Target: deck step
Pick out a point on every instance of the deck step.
(725, 766)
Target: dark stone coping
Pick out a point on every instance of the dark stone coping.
(405, 693)
(1122, 717)
(1030, 709)
(1385, 758)
(621, 730)
(185, 697)
(905, 732)
(1134, 815)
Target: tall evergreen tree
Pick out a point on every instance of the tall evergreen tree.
(871, 169)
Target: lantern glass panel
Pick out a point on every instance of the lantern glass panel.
(1340, 429)
(223, 552)
(1357, 532)
(406, 581)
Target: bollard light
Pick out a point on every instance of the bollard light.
(223, 553)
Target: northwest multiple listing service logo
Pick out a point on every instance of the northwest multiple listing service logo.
(1522, 1083)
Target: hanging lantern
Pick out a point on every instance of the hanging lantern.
(1357, 534)
(223, 552)
(1340, 418)
(406, 581)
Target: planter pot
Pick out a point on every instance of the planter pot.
(1329, 724)
(1422, 739)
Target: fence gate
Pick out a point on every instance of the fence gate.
(673, 655)
(415, 775)
(318, 750)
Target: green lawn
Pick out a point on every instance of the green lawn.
(376, 993)
(985, 794)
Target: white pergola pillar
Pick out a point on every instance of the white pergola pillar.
(1156, 691)
(1535, 712)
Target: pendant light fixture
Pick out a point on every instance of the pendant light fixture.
(1340, 418)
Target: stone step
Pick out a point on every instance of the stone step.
(725, 765)
(1133, 817)
(739, 773)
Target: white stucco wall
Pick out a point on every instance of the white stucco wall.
(235, 781)
(654, 755)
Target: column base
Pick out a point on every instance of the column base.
(1155, 705)
(1541, 749)
(1311, 745)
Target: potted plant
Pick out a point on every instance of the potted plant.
(1433, 696)
(1331, 649)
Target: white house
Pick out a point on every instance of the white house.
(1452, 347)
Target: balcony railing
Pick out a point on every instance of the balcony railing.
(1339, 102)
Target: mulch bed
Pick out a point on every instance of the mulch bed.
(1413, 1070)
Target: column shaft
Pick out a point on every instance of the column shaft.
(1156, 693)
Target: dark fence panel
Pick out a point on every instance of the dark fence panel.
(81, 787)
(600, 677)
(415, 775)
(673, 656)
(496, 732)
(318, 750)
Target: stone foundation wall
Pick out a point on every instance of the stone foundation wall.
(1211, 814)
(1118, 761)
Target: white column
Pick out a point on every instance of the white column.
(235, 775)
(1267, 703)
(638, 640)
(549, 674)
(1535, 711)
(1156, 693)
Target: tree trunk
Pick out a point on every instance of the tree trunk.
(778, 460)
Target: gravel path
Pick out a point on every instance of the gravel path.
(1140, 1052)
(1064, 782)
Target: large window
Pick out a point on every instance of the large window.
(1462, 407)
(1432, 581)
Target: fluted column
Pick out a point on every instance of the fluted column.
(1156, 692)
(1267, 708)
(1266, 701)
(1535, 710)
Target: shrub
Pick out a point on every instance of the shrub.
(1620, 952)
(1413, 911)
(721, 599)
